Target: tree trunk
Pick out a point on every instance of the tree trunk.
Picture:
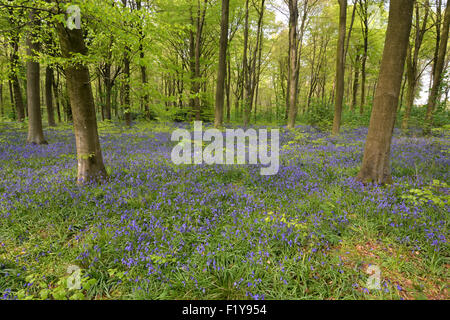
(68, 106)
(35, 132)
(438, 72)
(246, 82)
(11, 94)
(126, 87)
(376, 162)
(56, 94)
(18, 99)
(100, 98)
(49, 96)
(127, 75)
(364, 5)
(108, 88)
(2, 110)
(340, 67)
(90, 160)
(228, 89)
(412, 60)
(355, 84)
(145, 98)
(197, 54)
(293, 63)
(411, 90)
(220, 90)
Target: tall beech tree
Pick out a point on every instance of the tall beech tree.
(89, 154)
(49, 96)
(364, 16)
(35, 132)
(144, 80)
(253, 62)
(127, 79)
(14, 79)
(438, 71)
(295, 52)
(222, 69)
(412, 60)
(292, 88)
(246, 79)
(376, 162)
(340, 67)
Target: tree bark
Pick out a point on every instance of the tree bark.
(293, 63)
(198, 39)
(35, 132)
(246, 80)
(11, 94)
(254, 62)
(355, 84)
(56, 94)
(340, 67)
(126, 87)
(145, 98)
(18, 99)
(412, 60)
(222, 70)
(376, 162)
(90, 160)
(49, 96)
(228, 89)
(364, 5)
(2, 110)
(127, 75)
(108, 87)
(438, 72)
(68, 105)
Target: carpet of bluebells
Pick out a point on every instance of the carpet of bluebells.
(154, 230)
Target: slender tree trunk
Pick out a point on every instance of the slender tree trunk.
(126, 87)
(197, 54)
(11, 95)
(191, 67)
(68, 104)
(412, 60)
(35, 132)
(402, 93)
(222, 70)
(437, 23)
(355, 84)
(352, 21)
(90, 159)
(108, 87)
(246, 82)
(228, 89)
(49, 96)
(18, 99)
(411, 90)
(56, 94)
(115, 101)
(340, 67)
(255, 62)
(376, 162)
(293, 62)
(438, 72)
(364, 5)
(101, 98)
(2, 110)
(108, 94)
(145, 98)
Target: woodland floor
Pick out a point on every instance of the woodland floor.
(159, 231)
